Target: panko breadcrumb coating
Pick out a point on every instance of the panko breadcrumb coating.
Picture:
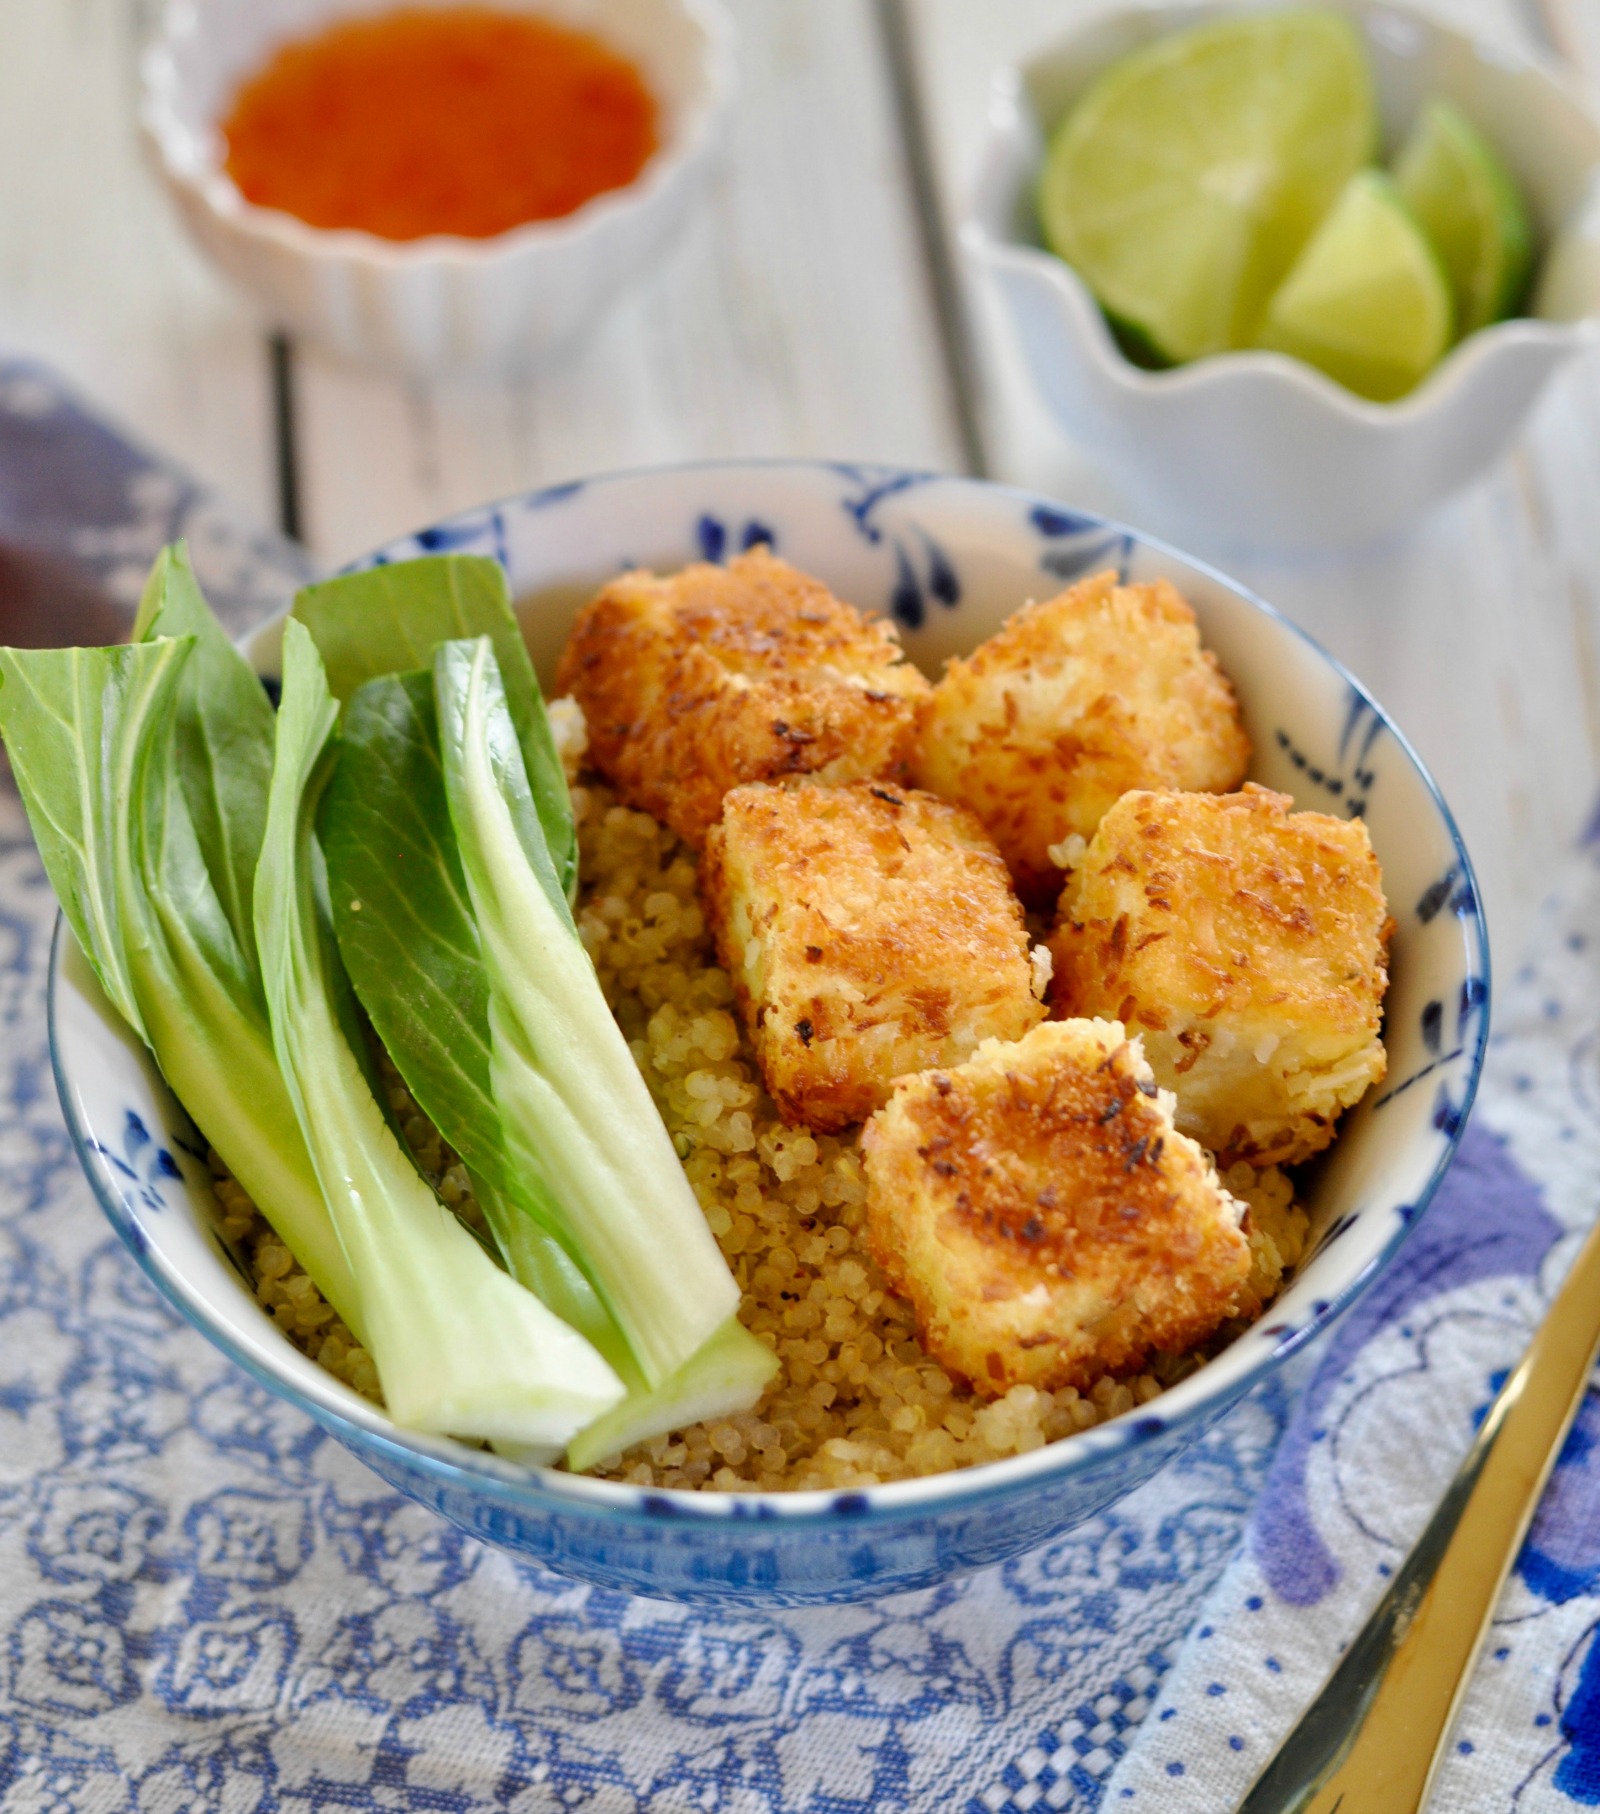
(749, 672)
(1247, 945)
(859, 1400)
(1043, 1214)
(869, 931)
(1075, 700)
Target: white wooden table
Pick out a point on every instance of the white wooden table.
(798, 316)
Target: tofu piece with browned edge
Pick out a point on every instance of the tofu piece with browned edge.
(1247, 945)
(693, 683)
(869, 931)
(1075, 700)
(1045, 1218)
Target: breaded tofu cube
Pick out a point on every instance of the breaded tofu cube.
(1247, 944)
(1073, 702)
(750, 672)
(1044, 1216)
(869, 931)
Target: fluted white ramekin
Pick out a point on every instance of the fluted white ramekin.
(443, 303)
(1256, 448)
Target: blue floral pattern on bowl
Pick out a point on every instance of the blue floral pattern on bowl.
(948, 558)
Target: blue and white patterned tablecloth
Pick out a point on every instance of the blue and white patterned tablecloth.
(205, 1604)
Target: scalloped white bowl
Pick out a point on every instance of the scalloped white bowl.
(949, 559)
(441, 304)
(1254, 448)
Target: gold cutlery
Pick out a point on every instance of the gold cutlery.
(1370, 1743)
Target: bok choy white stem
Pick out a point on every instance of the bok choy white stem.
(577, 1116)
(460, 1346)
(726, 1374)
(407, 934)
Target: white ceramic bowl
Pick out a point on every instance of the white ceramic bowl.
(1254, 448)
(438, 304)
(949, 559)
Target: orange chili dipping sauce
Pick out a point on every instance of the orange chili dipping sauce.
(464, 120)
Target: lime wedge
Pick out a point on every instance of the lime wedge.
(1368, 301)
(1472, 210)
(1185, 181)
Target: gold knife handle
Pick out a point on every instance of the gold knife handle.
(1372, 1739)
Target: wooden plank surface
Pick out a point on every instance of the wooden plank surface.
(1568, 29)
(1480, 631)
(96, 276)
(794, 318)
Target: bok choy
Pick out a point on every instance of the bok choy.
(577, 1116)
(460, 1346)
(184, 826)
(409, 937)
(144, 773)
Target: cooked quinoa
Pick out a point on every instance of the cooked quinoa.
(857, 1400)
(285, 1290)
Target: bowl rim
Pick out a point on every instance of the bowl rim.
(1193, 1401)
(185, 162)
(1008, 117)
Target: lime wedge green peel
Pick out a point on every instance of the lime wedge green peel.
(1470, 207)
(1368, 301)
(1184, 183)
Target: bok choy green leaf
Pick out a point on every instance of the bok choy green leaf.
(222, 737)
(94, 740)
(460, 1346)
(576, 1116)
(403, 917)
(71, 719)
(390, 619)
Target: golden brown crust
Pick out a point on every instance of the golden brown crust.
(869, 930)
(1247, 945)
(1047, 1221)
(750, 672)
(1077, 699)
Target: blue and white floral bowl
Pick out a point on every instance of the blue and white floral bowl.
(948, 559)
